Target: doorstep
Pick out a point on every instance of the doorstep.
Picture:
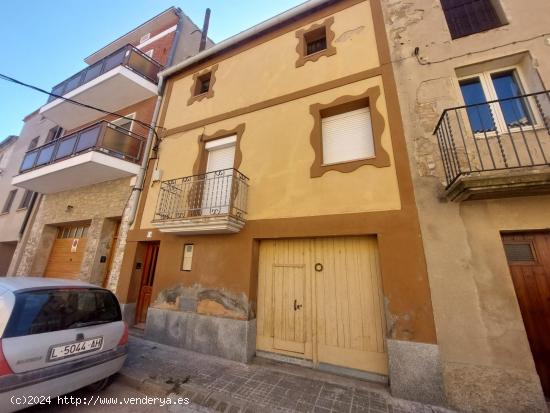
(216, 384)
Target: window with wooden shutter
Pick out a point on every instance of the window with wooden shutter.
(347, 136)
(465, 17)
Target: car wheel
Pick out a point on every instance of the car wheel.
(99, 385)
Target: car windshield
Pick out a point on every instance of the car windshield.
(45, 311)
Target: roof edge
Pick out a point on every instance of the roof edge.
(244, 36)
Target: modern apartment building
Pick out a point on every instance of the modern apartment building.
(278, 216)
(86, 171)
(472, 78)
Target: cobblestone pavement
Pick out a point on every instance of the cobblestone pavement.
(223, 385)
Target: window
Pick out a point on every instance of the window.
(203, 85)
(54, 133)
(9, 201)
(347, 136)
(37, 312)
(33, 144)
(72, 232)
(512, 109)
(465, 17)
(125, 123)
(521, 252)
(26, 200)
(314, 42)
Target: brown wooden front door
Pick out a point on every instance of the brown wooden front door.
(147, 278)
(528, 256)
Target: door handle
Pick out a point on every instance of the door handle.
(296, 305)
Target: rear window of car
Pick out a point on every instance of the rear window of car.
(44, 311)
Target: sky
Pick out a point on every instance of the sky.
(46, 41)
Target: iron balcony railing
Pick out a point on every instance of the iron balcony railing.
(127, 56)
(101, 136)
(496, 135)
(217, 193)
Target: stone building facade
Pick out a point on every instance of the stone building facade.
(468, 209)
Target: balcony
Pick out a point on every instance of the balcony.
(99, 153)
(213, 203)
(496, 149)
(125, 77)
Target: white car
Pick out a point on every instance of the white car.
(56, 336)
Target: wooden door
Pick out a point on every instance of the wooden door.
(288, 301)
(147, 278)
(350, 315)
(528, 257)
(341, 321)
(67, 252)
(284, 298)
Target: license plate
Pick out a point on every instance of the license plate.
(75, 348)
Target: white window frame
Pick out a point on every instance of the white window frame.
(122, 121)
(490, 94)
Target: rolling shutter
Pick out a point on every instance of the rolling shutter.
(347, 136)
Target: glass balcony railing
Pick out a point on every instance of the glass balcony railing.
(127, 56)
(101, 136)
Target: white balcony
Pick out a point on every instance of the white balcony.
(125, 77)
(99, 153)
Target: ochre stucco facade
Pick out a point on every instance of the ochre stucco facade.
(259, 90)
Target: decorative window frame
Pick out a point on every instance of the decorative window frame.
(369, 98)
(301, 46)
(199, 166)
(207, 95)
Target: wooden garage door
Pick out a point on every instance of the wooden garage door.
(67, 253)
(321, 300)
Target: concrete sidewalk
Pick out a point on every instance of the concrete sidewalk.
(215, 384)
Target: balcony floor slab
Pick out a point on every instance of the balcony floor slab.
(534, 180)
(78, 171)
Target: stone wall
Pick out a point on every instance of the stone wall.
(486, 359)
(99, 205)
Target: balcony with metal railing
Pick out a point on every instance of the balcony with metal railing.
(498, 148)
(123, 78)
(214, 202)
(101, 152)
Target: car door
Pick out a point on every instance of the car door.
(55, 326)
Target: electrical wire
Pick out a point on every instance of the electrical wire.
(427, 62)
(36, 88)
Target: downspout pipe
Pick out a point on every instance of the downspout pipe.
(140, 179)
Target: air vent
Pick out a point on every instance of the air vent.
(519, 252)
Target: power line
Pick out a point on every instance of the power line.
(19, 82)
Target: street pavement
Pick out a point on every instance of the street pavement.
(158, 378)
